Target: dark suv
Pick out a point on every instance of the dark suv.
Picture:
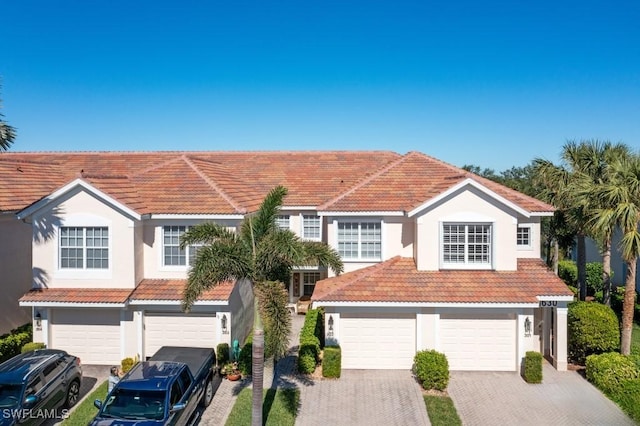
(35, 384)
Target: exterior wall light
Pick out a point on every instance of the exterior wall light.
(330, 322)
(223, 322)
(38, 319)
(527, 327)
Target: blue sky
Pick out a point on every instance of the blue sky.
(492, 83)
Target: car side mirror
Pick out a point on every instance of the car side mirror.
(97, 403)
(178, 407)
(30, 401)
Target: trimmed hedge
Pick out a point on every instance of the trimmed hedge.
(332, 361)
(222, 353)
(245, 359)
(12, 344)
(32, 346)
(310, 343)
(432, 369)
(533, 367)
(127, 364)
(592, 329)
(608, 371)
(568, 272)
(627, 398)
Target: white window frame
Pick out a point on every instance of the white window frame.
(188, 253)
(359, 242)
(466, 263)
(283, 221)
(304, 217)
(308, 282)
(84, 248)
(529, 244)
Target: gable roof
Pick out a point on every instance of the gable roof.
(398, 280)
(171, 290)
(234, 183)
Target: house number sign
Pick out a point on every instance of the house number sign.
(548, 303)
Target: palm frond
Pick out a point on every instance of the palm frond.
(273, 300)
(206, 233)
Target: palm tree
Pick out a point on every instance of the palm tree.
(623, 192)
(7, 133)
(259, 252)
(572, 186)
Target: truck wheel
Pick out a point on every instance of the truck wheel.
(208, 394)
(73, 392)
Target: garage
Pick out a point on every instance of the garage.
(479, 342)
(165, 329)
(93, 336)
(378, 341)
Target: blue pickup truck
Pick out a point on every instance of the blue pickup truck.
(165, 390)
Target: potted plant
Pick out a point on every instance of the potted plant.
(231, 371)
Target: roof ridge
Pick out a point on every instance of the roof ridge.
(364, 181)
(23, 161)
(213, 185)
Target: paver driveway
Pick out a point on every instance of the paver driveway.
(564, 398)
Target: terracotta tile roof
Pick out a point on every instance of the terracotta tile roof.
(155, 289)
(77, 295)
(222, 182)
(398, 280)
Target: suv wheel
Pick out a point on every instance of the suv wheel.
(207, 396)
(73, 392)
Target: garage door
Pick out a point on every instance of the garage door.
(92, 335)
(479, 343)
(378, 341)
(162, 329)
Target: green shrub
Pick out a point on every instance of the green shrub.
(594, 277)
(628, 398)
(592, 329)
(11, 345)
(608, 371)
(222, 353)
(432, 369)
(332, 361)
(245, 360)
(574, 290)
(533, 367)
(310, 343)
(127, 364)
(32, 346)
(568, 272)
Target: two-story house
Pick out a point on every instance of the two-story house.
(435, 257)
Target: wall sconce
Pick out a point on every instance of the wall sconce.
(38, 319)
(527, 327)
(330, 322)
(223, 323)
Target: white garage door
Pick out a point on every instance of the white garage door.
(93, 335)
(479, 343)
(163, 329)
(377, 341)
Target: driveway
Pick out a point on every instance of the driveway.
(564, 398)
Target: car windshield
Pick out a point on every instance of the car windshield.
(134, 404)
(10, 395)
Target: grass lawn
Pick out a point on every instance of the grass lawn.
(441, 411)
(86, 411)
(280, 408)
(635, 339)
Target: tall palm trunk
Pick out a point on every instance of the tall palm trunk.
(257, 365)
(582, 266)
(606, 272)
(628, 307)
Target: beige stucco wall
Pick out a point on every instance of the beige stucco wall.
(467, 205)
(15, 266)
(79, 208)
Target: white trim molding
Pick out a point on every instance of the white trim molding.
(73, 305)
(317, 303)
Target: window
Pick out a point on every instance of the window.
(173, 255)
(282, 221)
(311, 227)
(360, 240)
(466, 244)
(523, 236)
(309, 280)
(84, 248)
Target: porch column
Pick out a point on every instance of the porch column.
(560, 339)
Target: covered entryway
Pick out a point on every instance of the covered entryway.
(165, 329)
(91, 334)
(485, 342)
(377, 341)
